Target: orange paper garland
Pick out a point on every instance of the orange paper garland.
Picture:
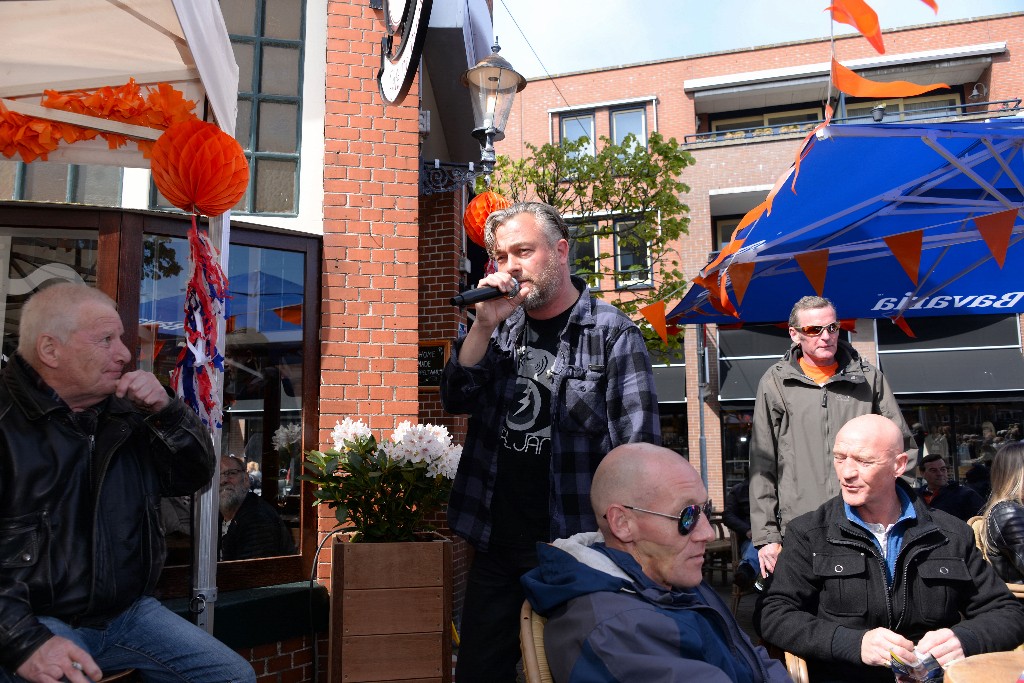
(34, 138)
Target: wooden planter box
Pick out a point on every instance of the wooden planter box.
(391, 612)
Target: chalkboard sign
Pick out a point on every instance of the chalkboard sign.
(433, 356)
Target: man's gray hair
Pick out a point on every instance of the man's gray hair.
(55, 311)
(548, 219)
(809, 303)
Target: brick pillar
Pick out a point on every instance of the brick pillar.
(441, 252)
(369, 333)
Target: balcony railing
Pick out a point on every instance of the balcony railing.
(969, 110)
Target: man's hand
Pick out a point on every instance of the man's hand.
(768, 555)
(879, 644)
(55, 661)
(144, 390)
(941, 644)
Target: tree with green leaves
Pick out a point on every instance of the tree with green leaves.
(628, 192)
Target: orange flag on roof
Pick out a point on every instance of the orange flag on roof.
(858, 14)
(996, 229)
(858, 86)
(907, 250)
(814, 264)
(655, 314)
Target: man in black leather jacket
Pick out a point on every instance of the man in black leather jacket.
(86, 452)
(873, 572)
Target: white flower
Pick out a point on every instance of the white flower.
(424, 443)
(285, 436)
(347, 430)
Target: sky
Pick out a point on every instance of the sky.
(573, 35)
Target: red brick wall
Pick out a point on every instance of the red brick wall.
(441, 252)
(370, 315)
(290, 661)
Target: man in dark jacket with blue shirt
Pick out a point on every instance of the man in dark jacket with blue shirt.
(86, 452)
(873, 573)
(628, 603)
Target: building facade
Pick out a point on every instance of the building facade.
(742, 115)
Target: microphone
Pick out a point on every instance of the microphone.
(472, 296)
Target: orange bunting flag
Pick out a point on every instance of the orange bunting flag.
(814, 264)
(996, 229)
(858, 14)
(907, 250)
(901, 322)
(858, 86)
(740, 274)
(931, 3)
(655, 314)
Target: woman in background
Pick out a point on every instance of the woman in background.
(1003, 536)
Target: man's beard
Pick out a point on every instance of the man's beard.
(545, 285)
(231, 497)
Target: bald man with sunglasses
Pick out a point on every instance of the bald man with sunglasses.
(801, 403)
(627, 603)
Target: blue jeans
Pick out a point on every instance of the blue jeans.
(162, 646)
(749, 554)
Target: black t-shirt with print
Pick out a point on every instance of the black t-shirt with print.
(520, 505)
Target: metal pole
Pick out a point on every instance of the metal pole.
(206, 510)
(702, 383)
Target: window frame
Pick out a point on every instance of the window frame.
(766, 120)
(613, 111)
(621, 282)
(900, 112)
(118, 274)
(566, 117)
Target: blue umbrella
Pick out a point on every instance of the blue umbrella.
(862, 184)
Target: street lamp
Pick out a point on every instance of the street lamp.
(493, 84)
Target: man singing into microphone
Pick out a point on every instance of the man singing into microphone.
(552, 380)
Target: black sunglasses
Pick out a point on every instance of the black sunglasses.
(687, 519)
(815, 330)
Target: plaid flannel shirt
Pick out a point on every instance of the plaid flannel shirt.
(603, 397)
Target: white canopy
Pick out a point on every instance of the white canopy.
(87, 44)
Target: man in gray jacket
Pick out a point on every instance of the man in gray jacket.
(802, 402)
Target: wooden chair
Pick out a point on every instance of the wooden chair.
(797, 668)
(718, 553)
(531, 643)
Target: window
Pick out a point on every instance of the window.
(268, 38)
(632, 258)
(935, 107)
(271, 345)
(723, 229)
(574, 127)
(785, 121)
(583, 252)
(626, 121)
(51, 182)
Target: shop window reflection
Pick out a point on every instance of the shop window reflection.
(736, 427)
(29, 263)
(263, 353)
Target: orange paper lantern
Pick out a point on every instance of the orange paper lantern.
(199, 168)
(477, 212)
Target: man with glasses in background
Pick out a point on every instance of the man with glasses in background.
(249, 526)
(628, 603)
(801, 403)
